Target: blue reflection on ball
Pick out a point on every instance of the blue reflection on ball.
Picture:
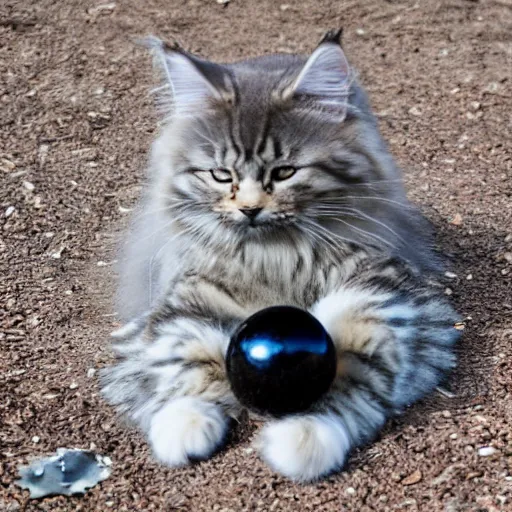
(280, 360)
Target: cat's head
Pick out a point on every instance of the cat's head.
(273, 146)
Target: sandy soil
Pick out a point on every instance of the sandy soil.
(76, 122)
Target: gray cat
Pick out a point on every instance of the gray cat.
(270, 184)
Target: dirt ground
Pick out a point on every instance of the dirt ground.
(76, 123)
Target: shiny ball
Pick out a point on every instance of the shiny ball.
(280, 361)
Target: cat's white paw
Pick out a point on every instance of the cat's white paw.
(304, 448)
(186, 429)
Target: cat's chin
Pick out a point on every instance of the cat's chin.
(265, 232)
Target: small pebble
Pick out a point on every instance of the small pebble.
(102, 8)
(29, 186)
(413, 478)
(350, 490)
(450, 275)
(91, 372)
(448, 291)
(73, 385)
(57, 254)
(415, 111)
(9, 211)
(36, 439)
(469, 277)
(105, 263)
(456, 220)
(7, 165)
(360, 32)
(454, 436)
(68, 292)
(486, 451)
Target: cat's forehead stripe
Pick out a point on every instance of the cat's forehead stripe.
(269, 150)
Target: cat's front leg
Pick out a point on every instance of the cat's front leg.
(394, 339)
(170, 380)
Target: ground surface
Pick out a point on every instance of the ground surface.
(76, 122)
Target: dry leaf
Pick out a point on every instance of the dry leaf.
(413, 478)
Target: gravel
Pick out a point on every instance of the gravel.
(76, 124)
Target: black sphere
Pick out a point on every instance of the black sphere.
(280, 361)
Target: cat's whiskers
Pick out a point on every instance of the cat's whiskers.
(342, 199)
(317, 237)
(360, 215)
(329, 235)
(157, 231)
(367, 234)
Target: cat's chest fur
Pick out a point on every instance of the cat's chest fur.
(257, 276)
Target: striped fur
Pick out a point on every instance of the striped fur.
(336, 237)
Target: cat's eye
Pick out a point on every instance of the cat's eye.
(283, 173)
(222, 175)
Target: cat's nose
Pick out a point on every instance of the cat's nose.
(251, 213)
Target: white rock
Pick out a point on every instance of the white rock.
(91, 372)
(9, 211)
(57, 254)
(486, 451)
(415, 111)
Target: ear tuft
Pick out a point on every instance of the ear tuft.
(332, 36)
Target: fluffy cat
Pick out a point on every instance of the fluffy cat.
(270, 184)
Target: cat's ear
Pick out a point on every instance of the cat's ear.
(325, 78)
(190, 82)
